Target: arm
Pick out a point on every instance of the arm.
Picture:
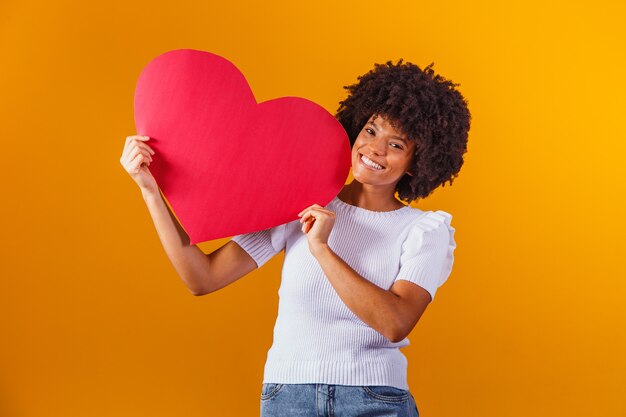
(201, 273)
(392, 313)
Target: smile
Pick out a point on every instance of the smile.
(369, 164)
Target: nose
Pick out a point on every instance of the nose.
(378, 146)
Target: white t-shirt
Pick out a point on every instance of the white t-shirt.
(317, 338)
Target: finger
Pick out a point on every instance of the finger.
(307, 225)
(324, 211)
(308, 208)
(306, 216)
(319, 211)
(315, 207)
(311, 212)
(138, 137)
(135, 144)
(138, 162)
(144, 149)
(130, 139)
(135, 163)
(145, 146)
(134, 140)
(311, 216)
(137, 150)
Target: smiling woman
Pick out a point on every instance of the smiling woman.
(362, 270)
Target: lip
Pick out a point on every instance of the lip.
(367, 166)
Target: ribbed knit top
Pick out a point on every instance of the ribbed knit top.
(317, 338)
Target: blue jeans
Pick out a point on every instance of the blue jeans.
(322, 400)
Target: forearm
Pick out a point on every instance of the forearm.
(374, 305)
(191, 264)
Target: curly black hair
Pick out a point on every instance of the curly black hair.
(425, 107)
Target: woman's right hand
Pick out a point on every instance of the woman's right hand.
(136, 158)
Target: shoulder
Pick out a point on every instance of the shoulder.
(428, 221)
(430, 228)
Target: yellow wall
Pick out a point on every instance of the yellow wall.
(93, 318)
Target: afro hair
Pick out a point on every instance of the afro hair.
(425, 107)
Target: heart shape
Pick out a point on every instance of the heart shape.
(229, 165)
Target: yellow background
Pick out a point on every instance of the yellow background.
(94, 320)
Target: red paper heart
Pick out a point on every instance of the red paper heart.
(226, 164)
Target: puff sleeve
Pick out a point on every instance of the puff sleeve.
(428, 252)
(264, 244)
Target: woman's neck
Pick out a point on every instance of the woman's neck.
(368, 197)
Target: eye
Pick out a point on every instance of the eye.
(370, 131)
(399, 146)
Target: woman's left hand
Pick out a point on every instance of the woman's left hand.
(317, 224)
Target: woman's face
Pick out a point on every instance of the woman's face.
(387, 147)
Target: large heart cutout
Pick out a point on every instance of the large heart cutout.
(229, 165)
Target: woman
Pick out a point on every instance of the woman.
(359, 272)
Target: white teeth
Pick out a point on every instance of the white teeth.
(370, 162)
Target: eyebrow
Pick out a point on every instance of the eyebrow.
(393, 137)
